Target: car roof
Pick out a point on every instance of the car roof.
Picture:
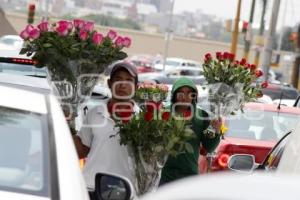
(23, 100)
(230, 186)
(182, 60)
(25, 82)
(272, 108)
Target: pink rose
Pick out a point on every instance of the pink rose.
(24, 34)
(62, 30)
(88, 26)
(68, 24)
(79, 23)
(43, 26)
(34, 33)
(83, 35)
(29, 28)
(97, 38)
(112, 34)
(119, 41)
(126, 42)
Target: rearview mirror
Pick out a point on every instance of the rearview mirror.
(242, 163)
(112, 187)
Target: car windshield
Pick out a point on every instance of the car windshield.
(260, 125)
(23, 152)
(19, 69)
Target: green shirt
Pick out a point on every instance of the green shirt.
(186, 164)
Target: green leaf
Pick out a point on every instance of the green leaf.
(189, 147)
(23, 51)
(47, 45)
(121, 55)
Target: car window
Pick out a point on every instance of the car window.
(19, 69)
(172, 63)
(260, 125)
(23, 152)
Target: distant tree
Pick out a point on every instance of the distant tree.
(112, 21)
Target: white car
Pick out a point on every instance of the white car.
(176, 62)
(37, 155)
(11, 42)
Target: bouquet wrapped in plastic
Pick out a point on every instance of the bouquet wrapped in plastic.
(151, 135)
(75, 55)
(231, 84)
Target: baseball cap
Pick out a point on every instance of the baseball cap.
(124, 65)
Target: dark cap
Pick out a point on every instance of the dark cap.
(124, 65)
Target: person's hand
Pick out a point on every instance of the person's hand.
(216, 124)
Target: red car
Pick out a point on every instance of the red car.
(143, 63)
(254, 132)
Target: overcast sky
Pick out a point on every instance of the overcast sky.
(227, 9)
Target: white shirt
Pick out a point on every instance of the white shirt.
(106, 154)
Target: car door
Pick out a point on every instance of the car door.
(273, 158)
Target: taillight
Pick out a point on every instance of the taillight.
(23, 61)
(223, 160)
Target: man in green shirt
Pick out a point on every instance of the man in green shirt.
(183, 102)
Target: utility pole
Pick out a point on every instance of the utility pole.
(249, 32)
(261, 30)
(295, 74)
(235, 33)
(168, 35)
(267, 53)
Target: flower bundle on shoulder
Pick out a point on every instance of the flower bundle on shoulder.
(65, 40)
(153, 134)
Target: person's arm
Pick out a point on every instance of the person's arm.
(82, 150)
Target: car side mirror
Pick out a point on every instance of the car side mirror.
(112, 187)
(242, 163)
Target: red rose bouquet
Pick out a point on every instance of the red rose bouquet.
(151, 135)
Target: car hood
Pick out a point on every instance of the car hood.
(13, 196)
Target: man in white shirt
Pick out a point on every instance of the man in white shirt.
(98, 139)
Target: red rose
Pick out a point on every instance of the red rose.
(151, 106)
(248, 66)
(258, 73)
(208, 56)
(252, 67)
(231, 56)
(187, 114)
(259, 95)
(243, 61)
(166, 116)
(236, 63)
(219, 56)
(148, 116)
(264, 84)
(226, 55)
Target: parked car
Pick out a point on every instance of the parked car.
(283, 158)
(143, 63)
(176, 62)
(246, 162)
(37, 155)
(281, 91)
(255, 132)
(171, 75)
(11, 42)
(21, 66)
